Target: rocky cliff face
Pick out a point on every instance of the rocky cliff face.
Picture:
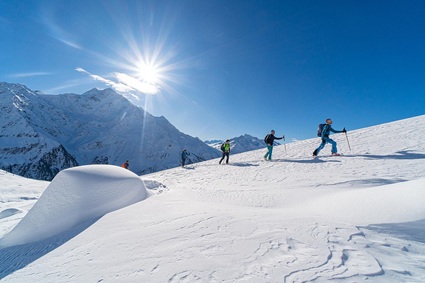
(43, 134)
(45, 166)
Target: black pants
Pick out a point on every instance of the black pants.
(225, 154)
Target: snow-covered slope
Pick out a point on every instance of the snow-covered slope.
(354, 218)
(43, 134)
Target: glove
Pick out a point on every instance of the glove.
(283, 136)
(344, 130)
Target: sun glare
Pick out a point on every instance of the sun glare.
(145, 62)
(148, 73)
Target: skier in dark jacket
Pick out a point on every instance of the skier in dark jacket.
(185, 154)
(225, 148)
(269, 139)
(126, 165)
(327, 129)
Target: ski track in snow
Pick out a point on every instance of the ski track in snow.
(255, 220)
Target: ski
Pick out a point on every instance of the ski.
(330, 155)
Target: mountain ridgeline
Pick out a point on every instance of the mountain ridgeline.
(42, 134)
(240, 144)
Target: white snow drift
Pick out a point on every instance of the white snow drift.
(76, 195)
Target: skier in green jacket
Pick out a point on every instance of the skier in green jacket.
(225, 148)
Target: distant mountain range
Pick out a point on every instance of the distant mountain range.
(240, 144)
(43, 134)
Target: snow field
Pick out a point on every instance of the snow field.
(358, 217)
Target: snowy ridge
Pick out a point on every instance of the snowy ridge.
(354, 218)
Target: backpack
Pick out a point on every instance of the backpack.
(320, 129)
(225, 147)
(266, 138)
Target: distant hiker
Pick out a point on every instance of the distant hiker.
(326, 129)
(225, 148)
(125, 165)
(185, 154)
(269, 140)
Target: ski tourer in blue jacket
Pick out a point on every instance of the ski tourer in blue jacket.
(185, 154)
(326, 131)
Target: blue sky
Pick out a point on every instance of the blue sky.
(220, 69)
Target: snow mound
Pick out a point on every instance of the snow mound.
(74, 196)
(394, 203)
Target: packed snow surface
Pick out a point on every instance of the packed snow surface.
(353, 218)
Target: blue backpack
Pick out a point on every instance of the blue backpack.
(320, 129)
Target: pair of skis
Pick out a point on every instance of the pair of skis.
(332, 155)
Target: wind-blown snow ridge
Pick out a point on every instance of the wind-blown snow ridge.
(76, 195)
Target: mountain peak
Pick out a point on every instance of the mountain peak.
(14, 88)
(96, 90)
(97, 127)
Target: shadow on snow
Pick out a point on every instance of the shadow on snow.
(411, 231)
(305, 161)
(17, 257)
(365, 183)
(405, 154)
(242, 164)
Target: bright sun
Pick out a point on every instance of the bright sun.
(148, 73)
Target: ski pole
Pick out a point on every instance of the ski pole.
(284, 143)
(346, 136)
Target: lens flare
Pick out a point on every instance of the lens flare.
(148, 73)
